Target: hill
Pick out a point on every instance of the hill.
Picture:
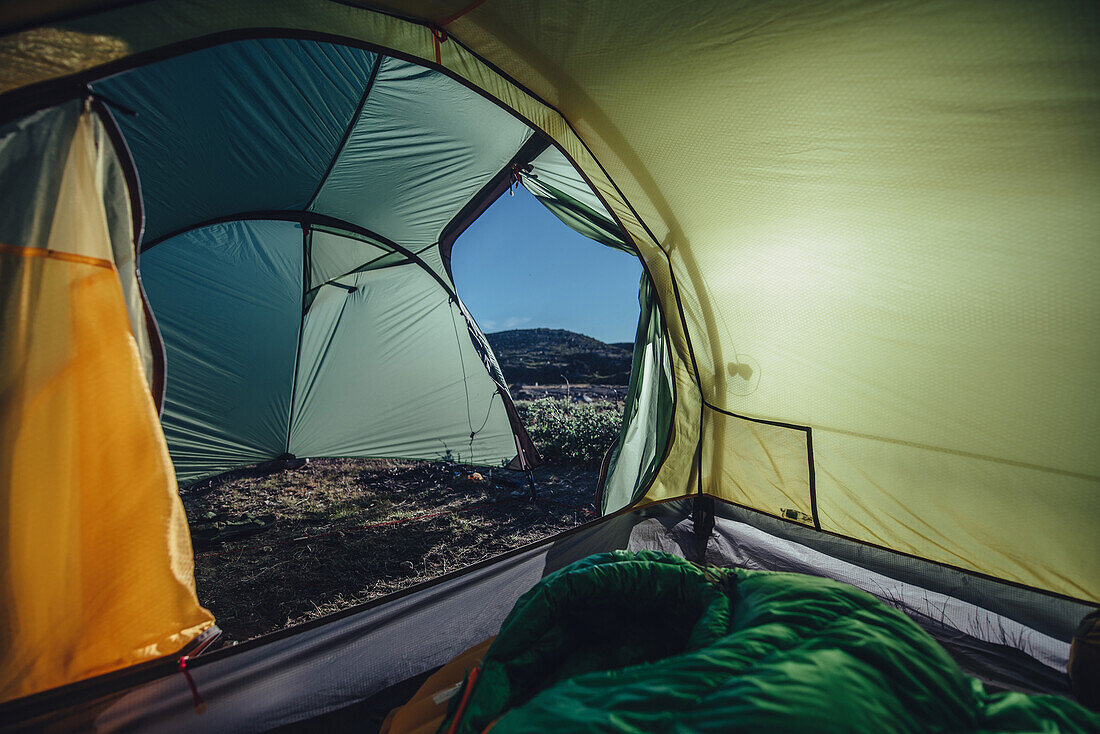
(557, 356)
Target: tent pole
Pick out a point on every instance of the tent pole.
(702, 517)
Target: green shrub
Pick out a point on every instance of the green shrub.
(564, 430)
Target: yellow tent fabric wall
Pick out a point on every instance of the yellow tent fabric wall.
(95, 562)
(882, 222)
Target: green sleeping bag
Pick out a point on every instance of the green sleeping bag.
(648, 642)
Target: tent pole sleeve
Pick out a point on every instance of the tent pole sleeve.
(306, 257)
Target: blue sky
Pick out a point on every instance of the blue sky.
(519, 267)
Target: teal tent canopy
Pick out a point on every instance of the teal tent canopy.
(303, 296)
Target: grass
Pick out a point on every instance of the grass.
(276, 549)
(572, 431)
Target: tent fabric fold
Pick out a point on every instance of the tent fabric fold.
(647, 412)
(557, 184)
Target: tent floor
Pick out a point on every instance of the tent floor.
(365, 717)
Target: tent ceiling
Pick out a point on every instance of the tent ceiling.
(239, 127)
(333, 257)
(422, 146)
(299, 125)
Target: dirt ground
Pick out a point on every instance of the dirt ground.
(276, 548)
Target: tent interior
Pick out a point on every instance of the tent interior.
(292, 181)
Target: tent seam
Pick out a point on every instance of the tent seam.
(379, 57)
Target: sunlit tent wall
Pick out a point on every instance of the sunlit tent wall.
(870, 231)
